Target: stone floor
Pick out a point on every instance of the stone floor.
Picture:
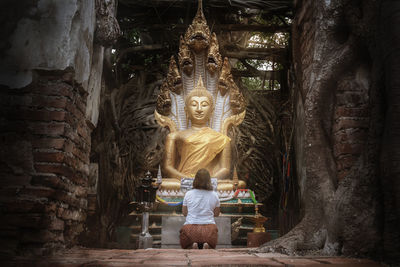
(179, 257)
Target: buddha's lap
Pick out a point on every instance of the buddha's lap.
(223, 185)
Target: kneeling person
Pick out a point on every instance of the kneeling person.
(200, 206)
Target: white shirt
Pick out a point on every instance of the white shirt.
(201, 205)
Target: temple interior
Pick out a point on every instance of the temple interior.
(91, 92)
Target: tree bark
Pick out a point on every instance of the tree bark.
(340, 204)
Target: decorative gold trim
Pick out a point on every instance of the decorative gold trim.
(165, 121)
(232, 120)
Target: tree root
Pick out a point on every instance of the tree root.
(307, 235)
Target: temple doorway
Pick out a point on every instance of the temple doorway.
(292, 105)
(128, 142)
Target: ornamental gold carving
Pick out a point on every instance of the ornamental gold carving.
(198, 102)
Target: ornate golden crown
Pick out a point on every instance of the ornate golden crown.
(199, 62)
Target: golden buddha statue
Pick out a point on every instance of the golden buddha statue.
(199, 115)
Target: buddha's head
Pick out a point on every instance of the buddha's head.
(199, 104)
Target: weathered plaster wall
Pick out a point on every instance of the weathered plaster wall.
(56, 35)
(94, 87)
(52, 35)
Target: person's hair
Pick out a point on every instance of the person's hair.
(202, 180)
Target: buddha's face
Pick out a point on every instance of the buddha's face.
(199, 109)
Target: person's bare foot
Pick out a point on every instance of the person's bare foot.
(195, 246)
(206, 246)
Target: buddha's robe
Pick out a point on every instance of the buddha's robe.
(199, 150)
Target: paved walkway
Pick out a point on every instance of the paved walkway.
(179, 257)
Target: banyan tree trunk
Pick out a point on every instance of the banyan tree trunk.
(338, 129)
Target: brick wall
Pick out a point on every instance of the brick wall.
(44, 164)
(351, 123)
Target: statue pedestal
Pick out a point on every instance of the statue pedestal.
(239, 214)
(257, 239)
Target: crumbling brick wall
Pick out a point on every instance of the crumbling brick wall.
(44, 166)
(51, 70)
(351, 123)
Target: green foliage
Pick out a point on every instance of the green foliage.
(252, 83)
(270, 19)
(269, 40)
(240, 66)
(265, 40)
(256, 83)
(133, 36)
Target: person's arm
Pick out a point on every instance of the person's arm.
(217, 211)
(185, 203)
(184, 210)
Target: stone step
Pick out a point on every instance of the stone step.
(235, 256)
